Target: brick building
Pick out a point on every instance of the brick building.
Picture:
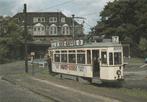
(46, 27)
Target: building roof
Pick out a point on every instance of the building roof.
(30, 16)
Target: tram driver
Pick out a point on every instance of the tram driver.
(96, 66)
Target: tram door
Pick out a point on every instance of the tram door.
(96, 64)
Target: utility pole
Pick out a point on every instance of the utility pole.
(26, 35)
(73, 27)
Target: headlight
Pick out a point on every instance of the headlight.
(118, 72)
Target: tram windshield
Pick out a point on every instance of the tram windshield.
(117, 58)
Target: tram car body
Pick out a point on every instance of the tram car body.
(103, 60)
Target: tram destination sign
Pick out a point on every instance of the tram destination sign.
(67, 43)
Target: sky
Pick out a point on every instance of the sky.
(89, 9)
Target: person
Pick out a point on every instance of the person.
(99, 66)
(96, 66)
(49, 64)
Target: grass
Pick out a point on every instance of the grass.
(136, 60)
(140, 93)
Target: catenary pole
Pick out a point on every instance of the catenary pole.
(73, 27)
(25, 33)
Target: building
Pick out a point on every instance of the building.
(3, 23)
(50, 25)
(46, 27)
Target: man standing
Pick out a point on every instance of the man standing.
(49, 63)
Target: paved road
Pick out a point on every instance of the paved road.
(14, 93)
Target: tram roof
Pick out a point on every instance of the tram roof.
(90, 45)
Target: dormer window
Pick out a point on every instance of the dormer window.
(43, 19)
(39, 29)
(38, 19)
(35, 19)
(63, 19)
(52, 19)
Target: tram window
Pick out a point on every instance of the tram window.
(57, 57)
(81, 58)
(72, 58)
(88, 57)
(63, 57)
(117, 58)
(80, 51)
(110, 59)
(63, 51)
(104, 57)
(57, 51)
(72, 51)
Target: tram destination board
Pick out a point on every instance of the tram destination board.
(67, 43)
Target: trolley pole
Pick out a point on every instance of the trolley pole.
(25, 34)
(73, 25)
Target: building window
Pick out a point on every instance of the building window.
(38, 28)
(53, 29)
(65, 30)
(63, 19)
(43, 19)
(52, 19)
(38, 19)
(35, 19)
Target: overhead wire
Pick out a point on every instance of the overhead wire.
(57, 5)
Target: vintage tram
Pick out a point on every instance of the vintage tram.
(102, 60)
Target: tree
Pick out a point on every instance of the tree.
(124, 18)
(143, 46)
(12, 41)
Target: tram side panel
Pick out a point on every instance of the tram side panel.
(73, 69)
